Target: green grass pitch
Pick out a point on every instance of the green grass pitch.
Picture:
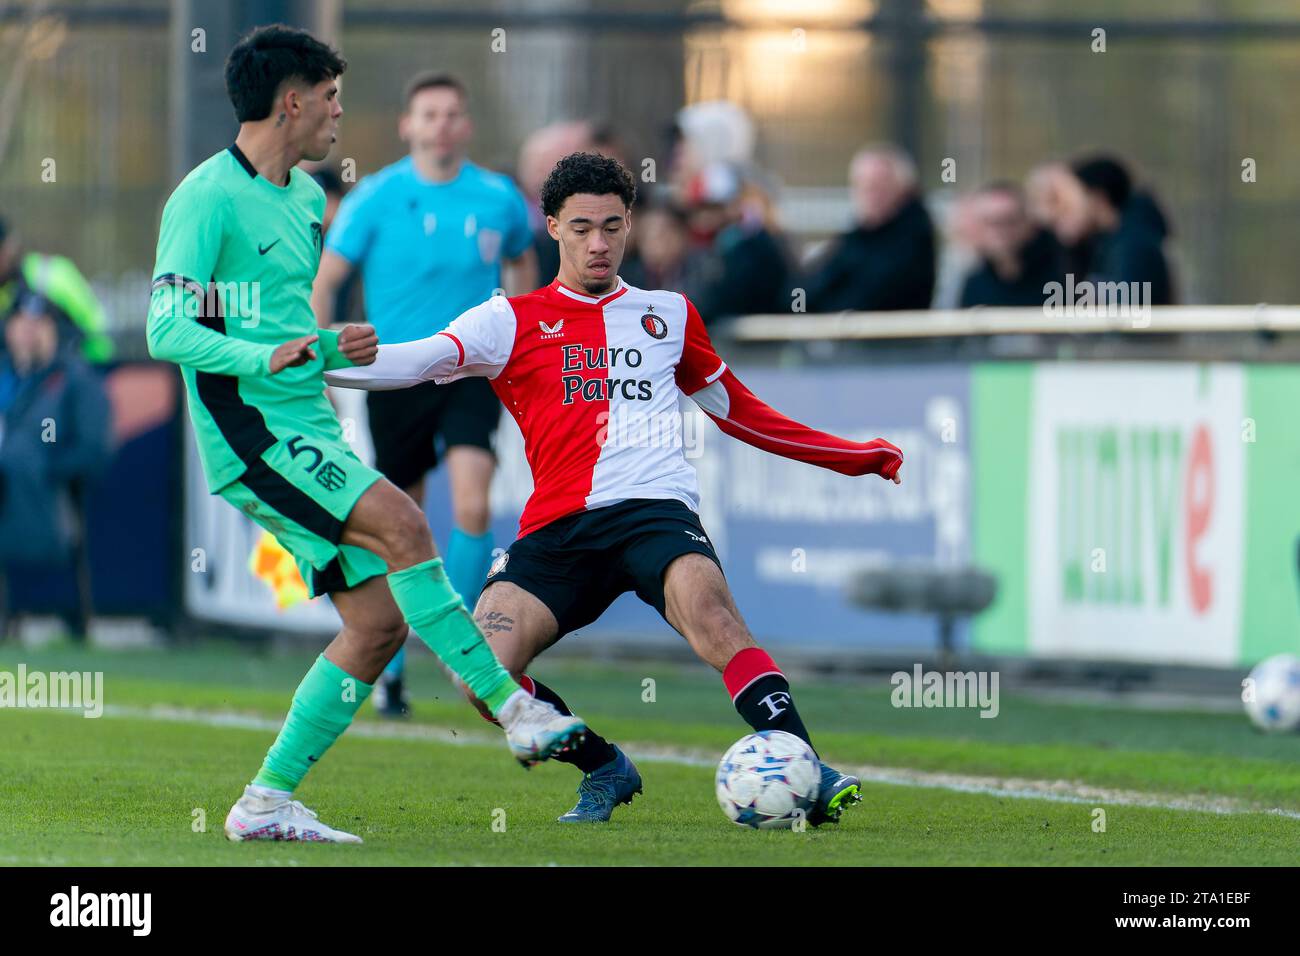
(133, 787)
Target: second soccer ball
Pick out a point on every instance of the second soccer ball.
(1272, 698)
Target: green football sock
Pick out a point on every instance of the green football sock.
(438, 615)
(322, 708)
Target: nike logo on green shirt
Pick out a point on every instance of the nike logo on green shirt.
(262, 252)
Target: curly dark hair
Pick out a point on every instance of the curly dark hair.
(586, 173)
(266, 57)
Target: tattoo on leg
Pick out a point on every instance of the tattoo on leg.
(496, 621)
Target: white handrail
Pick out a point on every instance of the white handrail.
(990, 321)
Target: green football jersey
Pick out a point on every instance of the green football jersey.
(237, 255)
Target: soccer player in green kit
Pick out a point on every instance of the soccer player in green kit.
(238, 249)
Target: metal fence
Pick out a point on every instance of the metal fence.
(1186, 89)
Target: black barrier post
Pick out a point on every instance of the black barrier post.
(951, 593)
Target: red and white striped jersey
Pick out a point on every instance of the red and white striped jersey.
(595, 384)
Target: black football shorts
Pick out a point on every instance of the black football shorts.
(577, 565)
(411, 426)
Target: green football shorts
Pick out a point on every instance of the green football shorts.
(302, 491)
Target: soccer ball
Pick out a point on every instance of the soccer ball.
(1273, 703)
(768, 780)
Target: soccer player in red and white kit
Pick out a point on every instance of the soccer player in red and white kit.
(573, 362)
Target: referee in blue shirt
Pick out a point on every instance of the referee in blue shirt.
(432, 235)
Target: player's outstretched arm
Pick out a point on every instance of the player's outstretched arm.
(743, 415)
(477, 342)
(401, 365)
(703, 376)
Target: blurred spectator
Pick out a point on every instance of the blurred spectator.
(1017, 257)
(54, 437)
(604, 139)
(707, 134)
(1058, 202)
(662, 259)
(1128, 230)
(746, 269)
(887, 261)
(57, 280)
(537, 157)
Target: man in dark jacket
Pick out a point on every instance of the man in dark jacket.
(742, 264)
(54, 436)
(887, 261)
(1018, 257)
(1128, 230)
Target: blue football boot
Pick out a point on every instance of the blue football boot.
(837, 791)
(603, 789)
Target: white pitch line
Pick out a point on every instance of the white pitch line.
(1016, 788)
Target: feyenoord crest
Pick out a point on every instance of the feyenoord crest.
(774, 702)
(654, 326)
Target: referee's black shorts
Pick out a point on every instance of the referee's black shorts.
(412, 427)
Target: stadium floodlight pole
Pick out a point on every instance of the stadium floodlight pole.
(904, 23)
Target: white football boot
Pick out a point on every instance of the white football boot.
(536, 731)
(259, 817)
